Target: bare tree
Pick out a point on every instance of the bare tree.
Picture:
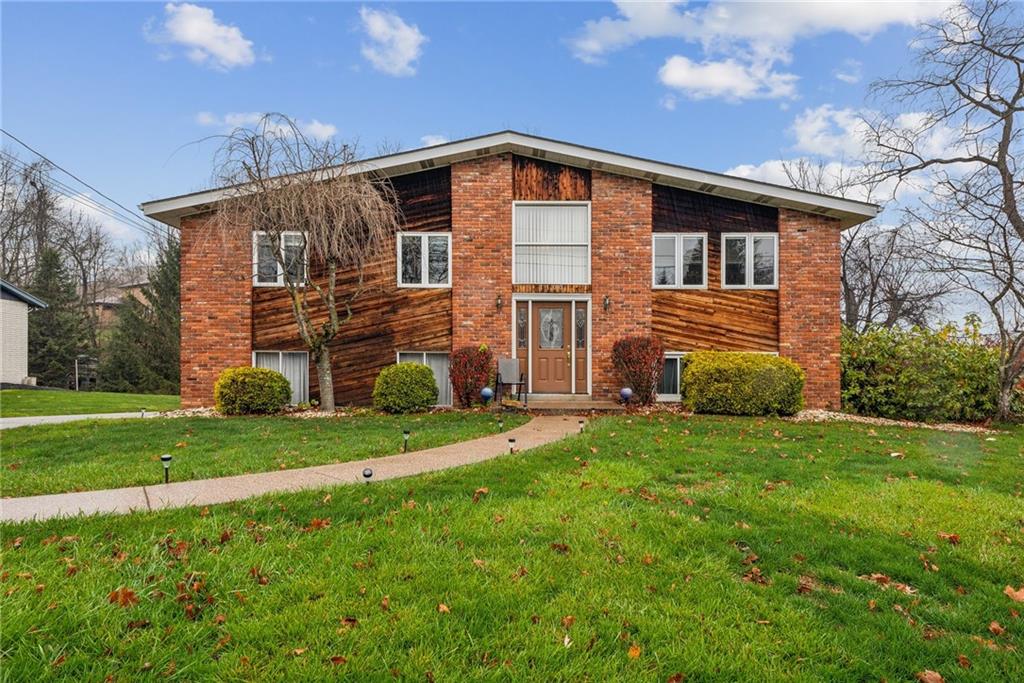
(883, 282)
(281, 181)
(959, 136)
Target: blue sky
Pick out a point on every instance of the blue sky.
(118, 93)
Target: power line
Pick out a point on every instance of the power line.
(58, 166)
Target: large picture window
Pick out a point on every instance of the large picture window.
(438, 364)
(294, 365)
(680, 261)
(750, 261)
(267, 269)
(551, 244)
(424, 259)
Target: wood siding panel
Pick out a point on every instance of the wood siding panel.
(545, 181)
(713, 319)
(386, 319)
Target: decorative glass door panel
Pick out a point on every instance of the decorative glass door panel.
(552, 355)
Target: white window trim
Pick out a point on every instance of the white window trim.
(398, 356)
(749, 251)
(674, 398)
(280, 361)
(279, 282)
(590, 240)
(424, 262)
(678, 241)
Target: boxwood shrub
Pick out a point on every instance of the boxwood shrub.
(733, 383)
(404, 388)
(251, 391)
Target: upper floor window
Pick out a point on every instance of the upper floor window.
(680, 261)
(750, 260)
(424, 258)
(268, 270)
(551, 243)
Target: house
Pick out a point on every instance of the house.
(15, 304)
(548, 252)
(105, 306)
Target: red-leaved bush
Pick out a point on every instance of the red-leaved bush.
(469, 368)
(639, 360)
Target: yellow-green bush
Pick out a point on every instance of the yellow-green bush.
(404, 388)
(251, 391)
(733, 383)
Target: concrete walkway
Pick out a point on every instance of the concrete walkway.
(12, 422)
(536, 432)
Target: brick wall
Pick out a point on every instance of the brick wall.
(809, 327)
(620, 268)
(216, 307)
(482, 253)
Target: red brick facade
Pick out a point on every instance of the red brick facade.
(620, 257)
(809, 261)
(482, 253)
(216, 307)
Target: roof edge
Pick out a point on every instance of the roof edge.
(22, 295)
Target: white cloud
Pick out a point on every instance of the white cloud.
(829, 132)
(394, 46)
(851, 71)
(668, 102)
(206, 40)
(742, 42)
(728, 79)
(315, 129)
(431, 140)
(84, 204)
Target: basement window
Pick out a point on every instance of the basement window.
(294, 365)
(668, 386)
(424, 259)
(438, 364)
(750, 261)
(268, 270)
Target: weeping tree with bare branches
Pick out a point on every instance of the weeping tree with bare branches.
(954, 128)
(323, 218)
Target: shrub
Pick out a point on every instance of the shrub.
(470, 370)
(640, 360)
(405, 388)
(251, 391)
(919, 374)
(733, 383)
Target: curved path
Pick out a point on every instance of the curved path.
(536, 432)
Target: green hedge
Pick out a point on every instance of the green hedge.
(733, 383)
(405, 388)
(918, 374)
(251, 391)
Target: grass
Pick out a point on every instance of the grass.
(102, 454)
(619, 554)
(33, 402)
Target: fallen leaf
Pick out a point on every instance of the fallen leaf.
(954, 539)
(349, 622)
(385, 604)
(996, 629)
(929, 676)
(805, 585)
(482, 491)
(338, 660)
(755, 576)
(676, 678)
(1015, 595)
(123, 597)
(560, 548)
(298, 652)
(443, 608)
(16, 543)
(479, 563)
(963, 661)
(316, 524)
(634, 651)
(57, 662)
(568, 621)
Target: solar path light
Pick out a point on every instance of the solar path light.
(166, 460)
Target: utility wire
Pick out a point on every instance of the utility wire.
(58, 166)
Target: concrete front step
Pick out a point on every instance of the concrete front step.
(571, 405)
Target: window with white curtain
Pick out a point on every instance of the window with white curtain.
(668, 385)
(551, 243)
(750, 261)
(294, 365)
(267, 271)
(438, 364)
(680, 261)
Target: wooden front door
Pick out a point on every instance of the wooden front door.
(551, 348)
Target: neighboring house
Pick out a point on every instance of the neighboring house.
(106, 305)
(15, 304)
(548, 252)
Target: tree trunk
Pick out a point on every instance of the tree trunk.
(1006, 390)
(323, 373)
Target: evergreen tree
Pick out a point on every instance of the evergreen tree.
(143, 352)
(56, 334)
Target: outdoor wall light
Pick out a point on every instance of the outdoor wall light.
(166, 460)
(511, 445)
(607, 302)
(405, 442)
(367, 474)
(499, 302)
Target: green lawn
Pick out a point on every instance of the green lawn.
(29, 402)
(102, 454)
(716, 548)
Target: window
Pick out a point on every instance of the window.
(551, 244)
(438, 364)
(424, 258)
(668, 386)
(266, 269)
(680, 261)
(750, 261)
(294, 365)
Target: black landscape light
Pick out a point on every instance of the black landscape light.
(143, 415)
(367, 474)
(405, 442)
(581, 426)
(166, 460)
(511, 444)
(501, 424)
